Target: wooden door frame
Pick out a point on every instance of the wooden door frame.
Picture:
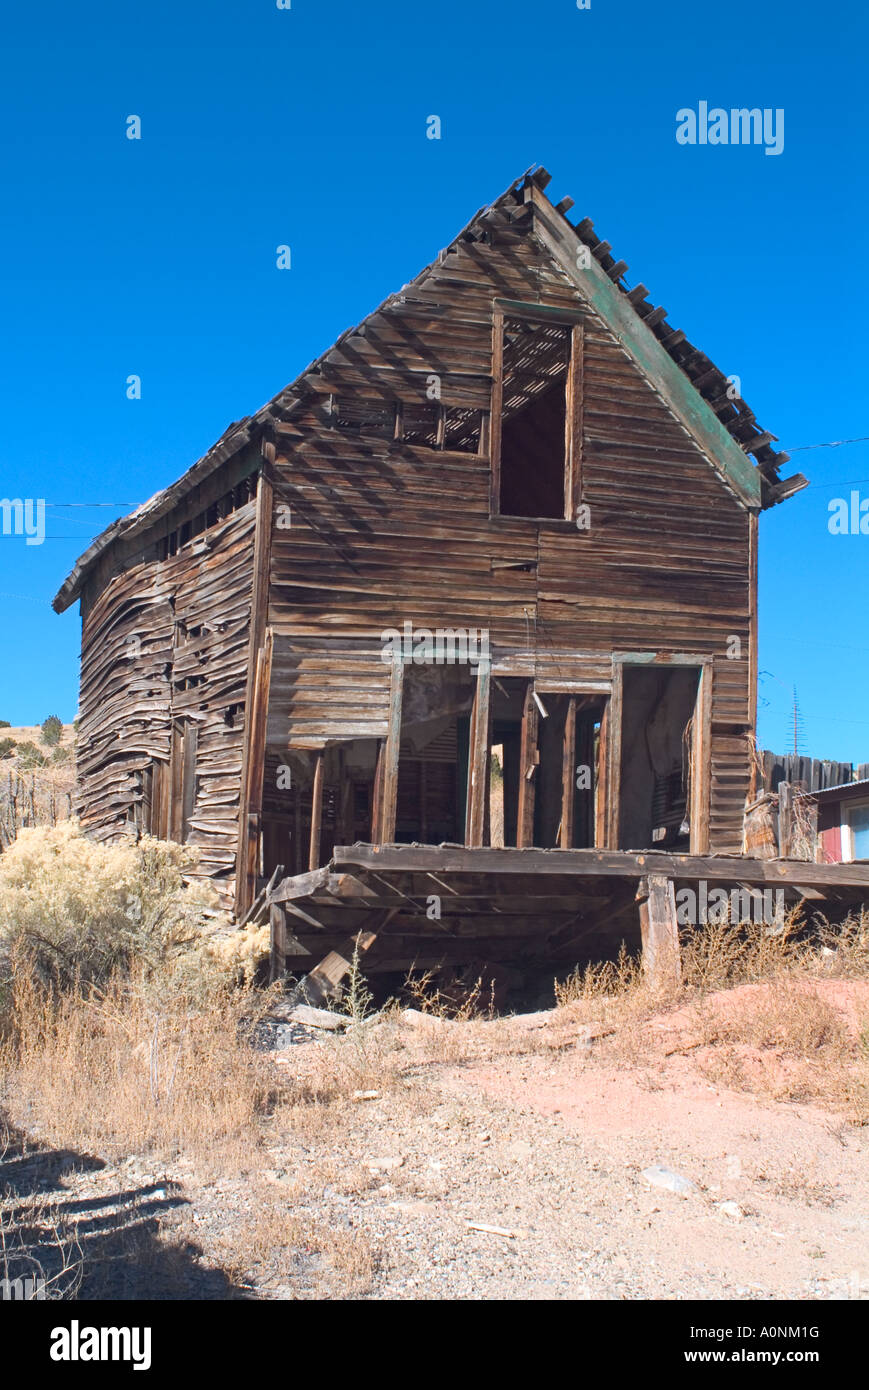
(385, 794)
(479, 742)
(529, 757)
(701, 748)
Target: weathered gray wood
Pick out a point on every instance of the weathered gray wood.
(445, 859)
(660, 932)
(478, 757)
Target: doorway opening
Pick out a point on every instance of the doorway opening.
(302, 807)
(659, 733)
(433, 754)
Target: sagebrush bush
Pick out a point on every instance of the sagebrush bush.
(78, 911)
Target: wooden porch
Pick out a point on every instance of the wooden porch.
(420, 906)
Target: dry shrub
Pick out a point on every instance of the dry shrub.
(843, 948)
(39, 1250)
(721, 955)
(126, 1068)
(82, 911)
(791, 1018)
(616, 997)
(603, 981)
(783, 1039)
(430, 993)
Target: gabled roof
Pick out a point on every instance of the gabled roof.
(726, 429)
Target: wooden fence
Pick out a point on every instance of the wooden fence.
(815, 774)
(32, 798)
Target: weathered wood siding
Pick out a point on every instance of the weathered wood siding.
(383, 530)
(167, 639)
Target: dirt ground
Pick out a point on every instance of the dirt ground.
(541, 1127)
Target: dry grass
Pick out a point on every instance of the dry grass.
(429, 992)
(792, 1019)
(760, 1004)
(789, 1040)
(148, 1063)
(123, 1069)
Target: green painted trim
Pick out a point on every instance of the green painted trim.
(522, 308)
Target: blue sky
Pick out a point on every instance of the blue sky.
(307, 126)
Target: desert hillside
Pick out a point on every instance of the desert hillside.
(37, 775)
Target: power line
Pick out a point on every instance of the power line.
(842, 482)
(830, 444)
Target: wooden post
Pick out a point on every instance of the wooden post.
(529, 757)
(753, 790)
(251, 772)
(386, 781)
(146, 821)
(316, 811)
(662, 961)
(600, 805)
(252, 791)
(278, 926)
(614, 758)
(573, 424)
(188, 777)
(568, 774)
(377, 793)
(478, 758)
(785, 819)
(701, 764)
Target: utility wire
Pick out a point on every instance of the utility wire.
(830, 444)
(842, 482)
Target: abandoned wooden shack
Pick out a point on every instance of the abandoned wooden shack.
(483, 576)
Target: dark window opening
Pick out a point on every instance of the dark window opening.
(425, 424)
(533, 462)
(359, 415)
(238, 497)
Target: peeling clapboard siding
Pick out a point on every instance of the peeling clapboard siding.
(142, 668)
